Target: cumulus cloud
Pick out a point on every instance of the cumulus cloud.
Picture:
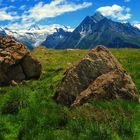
(44, 10)
(116, 12)
(136, 24)
(53, 9)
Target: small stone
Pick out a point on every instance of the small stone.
(14, 83)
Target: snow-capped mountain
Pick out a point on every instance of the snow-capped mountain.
(34, 28)
(34, 36)
(93, 30)
(56, 38)
(99, 30)
(2, 31)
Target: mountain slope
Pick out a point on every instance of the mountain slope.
(2, 31)
(35, 36)
(30, 38)
(56, 38)
(98, 30)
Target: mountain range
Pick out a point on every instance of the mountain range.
(99, 30)
(58, 37)
(35, 36)
(92, 31)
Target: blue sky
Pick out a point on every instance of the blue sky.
(21, 14)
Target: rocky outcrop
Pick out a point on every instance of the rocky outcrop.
(16, 62)
(99, 75)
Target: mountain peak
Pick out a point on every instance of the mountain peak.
(97, 29)
(6, 29)
(1, 28)
(59, 30)
(97, 17)
(34, 27)
(128, 24)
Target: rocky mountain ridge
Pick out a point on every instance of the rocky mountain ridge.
(99, 30)
(92, 31)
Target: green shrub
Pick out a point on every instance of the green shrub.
(14, 100)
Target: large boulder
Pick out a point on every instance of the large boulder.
(16, 62)
(99, 75)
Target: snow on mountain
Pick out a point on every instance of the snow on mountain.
(137, 25)
(57, 37)
(34, 36)
(97, 29)
(2, 31)
(34, 28)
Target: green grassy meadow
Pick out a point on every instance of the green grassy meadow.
(28, 111)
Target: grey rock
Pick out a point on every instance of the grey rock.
(98, 75)
(16, 62)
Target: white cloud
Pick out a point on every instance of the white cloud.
(22, 7)
(4, 15)
(17, 26)
(53, 9)
(136, 24)
(116, 12)
(43, 28)
(43, 11)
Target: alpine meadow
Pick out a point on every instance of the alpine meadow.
(69, 70)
